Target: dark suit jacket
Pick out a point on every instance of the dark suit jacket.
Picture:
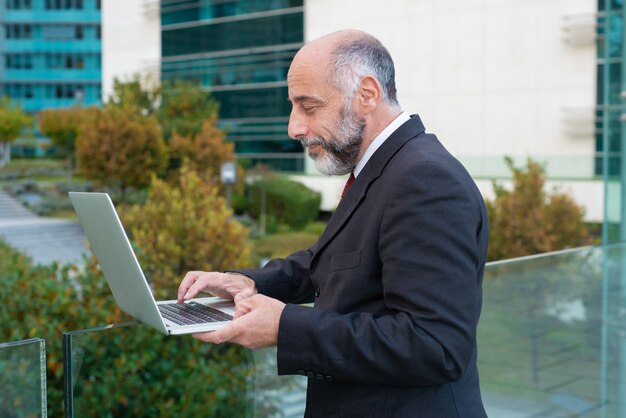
(396, 279)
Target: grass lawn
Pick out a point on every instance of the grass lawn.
(282, 244)
(47, 170)
(25, 163)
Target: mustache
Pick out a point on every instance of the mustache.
(310, 142)
(330, 146)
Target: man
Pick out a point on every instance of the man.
(396, 276)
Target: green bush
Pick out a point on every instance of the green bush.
(290, 202)
(126, 372)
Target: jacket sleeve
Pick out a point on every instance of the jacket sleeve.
(432, 244)
(286, 279)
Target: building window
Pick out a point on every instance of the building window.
(64, 91)
(62, 32)
(57, 32)
(28, 91)
(252, 33)
(19, 4)
(64, 4)
(20, 31)
(20, 91)
(19, 61)
(65, 61)
(177, 11)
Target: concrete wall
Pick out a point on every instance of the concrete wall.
(131, 42)
(492, 78)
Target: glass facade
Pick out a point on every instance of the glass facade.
(50, 52)
(240, 50)
(611, 116)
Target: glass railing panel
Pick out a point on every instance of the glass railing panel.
(273, 395)
(552, 343)
(23, 379)
(545, 344)
(131, 370)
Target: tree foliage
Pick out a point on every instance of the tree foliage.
(185, 227)
(120, 148)
(62, 126)
(527, 220)
(132, 371)
(133, 97)
(205, 152)
(184, 108)
(13, 121)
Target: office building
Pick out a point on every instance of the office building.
(239, 50)
(518, 78)
(50, 54)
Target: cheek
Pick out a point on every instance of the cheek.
(323, 125)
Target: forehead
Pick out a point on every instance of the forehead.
(308, 76)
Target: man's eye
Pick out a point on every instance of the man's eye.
(309, 109)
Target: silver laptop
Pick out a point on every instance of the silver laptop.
(129, 286)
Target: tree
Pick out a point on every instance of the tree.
(121, 148)
(185, 227)
(527, 220)
(12, 122)
(184, 108)
(133, 96)
(205, 151)
(62, 126)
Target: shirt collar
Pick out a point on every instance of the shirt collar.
(378, 141)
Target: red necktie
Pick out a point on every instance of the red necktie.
(348, 184)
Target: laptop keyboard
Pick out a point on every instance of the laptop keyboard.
(192, 313)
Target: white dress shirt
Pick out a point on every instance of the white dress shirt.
(378, 141)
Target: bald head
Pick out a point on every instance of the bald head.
(343, 94)
(345, 57)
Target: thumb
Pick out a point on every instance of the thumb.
(243, 307)
(218, 336)
(242, 296)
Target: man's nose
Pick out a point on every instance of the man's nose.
(297, 128)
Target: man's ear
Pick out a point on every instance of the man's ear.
(369, 95)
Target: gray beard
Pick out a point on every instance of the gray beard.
(342, 148)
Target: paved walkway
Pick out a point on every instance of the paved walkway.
(43, 239)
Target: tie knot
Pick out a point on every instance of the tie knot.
(348, 184)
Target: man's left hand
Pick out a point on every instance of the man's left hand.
(255, 324)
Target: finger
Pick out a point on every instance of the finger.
(242, 308)
(202, 281)
(221, 335)
(243, 295)
(186, 283)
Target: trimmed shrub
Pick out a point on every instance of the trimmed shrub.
(290, 202)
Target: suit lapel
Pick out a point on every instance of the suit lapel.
(372, 170)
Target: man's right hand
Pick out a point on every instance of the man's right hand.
(226, 285)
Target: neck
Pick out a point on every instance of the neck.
(375, 123)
